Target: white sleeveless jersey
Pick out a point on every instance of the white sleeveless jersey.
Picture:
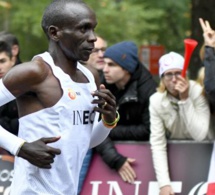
(72, 119)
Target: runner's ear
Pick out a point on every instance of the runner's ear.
(54, 33)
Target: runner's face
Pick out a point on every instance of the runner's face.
(78, 37)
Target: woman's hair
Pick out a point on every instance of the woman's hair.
(202, 52)
(161, 87)
(201, 76)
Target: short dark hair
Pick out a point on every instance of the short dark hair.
(9, 38)
(5, 47)
(54, 13)
(12, 40)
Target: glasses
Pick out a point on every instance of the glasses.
(96, 50)
(169, 75)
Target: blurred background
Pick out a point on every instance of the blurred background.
(163, 23)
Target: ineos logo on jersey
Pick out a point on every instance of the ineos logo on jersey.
(83, 117)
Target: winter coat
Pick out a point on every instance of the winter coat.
(209, 81)
(133, 107)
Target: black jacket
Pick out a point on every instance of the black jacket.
(9, 119)
(209, 81)
(133, 107)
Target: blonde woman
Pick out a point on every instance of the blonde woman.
(178, 110)
(201, 76)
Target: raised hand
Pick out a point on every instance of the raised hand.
(39, 153)
(208, 33)
(182, 86)
(106, 103)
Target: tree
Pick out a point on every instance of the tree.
(25, 19)
(4, 11)
(145, 22)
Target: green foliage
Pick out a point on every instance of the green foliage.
(24, 22)
(126, 21)
(146, 22)
(175, 24)
(164, 22)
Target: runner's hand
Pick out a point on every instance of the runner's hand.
(39, 153)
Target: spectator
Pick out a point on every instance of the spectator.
(96, 59)
(12, 40)
(200, 80)
(59, 104)
(132, 85)
(209, 80)
(5, 64)
(209, 60)
(9, 111)
(178, 110)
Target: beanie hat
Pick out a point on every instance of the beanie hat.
(170, 61)
(125, 54)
